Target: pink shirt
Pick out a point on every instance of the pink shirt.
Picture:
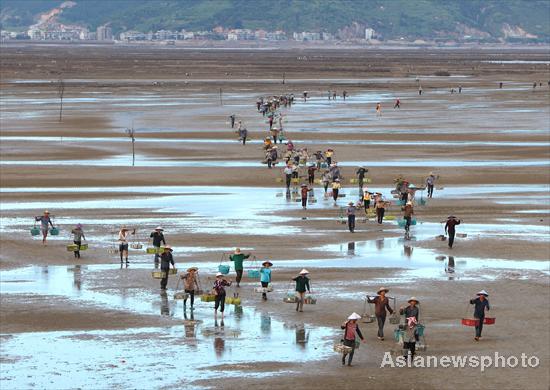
(350, 331)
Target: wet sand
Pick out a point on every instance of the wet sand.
(490, 146)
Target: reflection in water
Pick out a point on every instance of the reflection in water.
(265, 323)
(351, 248)
(219, 342)
(77, 276)
(380, 244)
(302, 336)
(407, 250)
(238, 313)
(164, 307)
(450, 268)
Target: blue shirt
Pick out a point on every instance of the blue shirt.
(265, 274)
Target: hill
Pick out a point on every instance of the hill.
(392, 19)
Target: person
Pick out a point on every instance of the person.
(380, 208)
(328, 156)
(335, 171)
(232, 119)
(420, 91)
(281, 122)
(238, 258)
(351, 331)
(123, 243)
(265, 276)
(302, 284)
(329, 94)
(267, 143)
(361, 171)
(270, 120)
(397, 104)
(500, 85)
(408, 212)
(271, 156)
(45, 220)
(381, 305)
(305, 96)
(289, 146)
(333, 95)
(350, 212)
(243, 132)
(219, 291)
(304, 192)
(335, 189)
(411, 317)
(311, 173)
(378, 109)
(460, 89)
(327, 178)
(481, 303)
(190, 284)
(77, 239)
(452, 221)
(366, 200)
(158, 237)
(344, 94)
(430, 182)
(319, 158)
(274, 134)
(165, 260)
(288, 174)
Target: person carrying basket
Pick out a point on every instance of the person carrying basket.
(238, 258)
(302, 284)
(481, 303)
(44, 220)
(351, 331)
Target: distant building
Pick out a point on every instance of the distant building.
(104, 33)
(369, 34)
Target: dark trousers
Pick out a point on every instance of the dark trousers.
(311, 179)
(77, 252)
(325, 184)
(244, 140)
(404, 197)
(264, 284)
(351, 223)
(430, 190)
(451, 238)
(304, 202)
(381, 320)
(367, 205)
(411, 346)
(479, 327)
(329, 161)
(349, 343)
(191, 295)
(408, 223)
(361, 182)
(335, 194)
(380, 214)
(269, 163)
(157, 256)
(239, 275)
(288, 179)
(164, 281)
(220, 302)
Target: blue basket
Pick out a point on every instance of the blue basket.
(224, 269)
(324, 165)
(54, 231)
(397, 333)
(35, 231)
(413, 222)
(420, 330)
(400, 202)
(253, 274)
(402, 223)
(422, 202)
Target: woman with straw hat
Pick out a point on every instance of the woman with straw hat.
(165, 260)
(481, 303)
(351, 331)
(265, 276)
(78, 236)
(412, 309)
(302, 284)
(238, 258)
(219, 292)
(381, 304)
(350, 212)
(45, 220)
(335, 189)
(123, 243)
(190, 284)
(158, 237)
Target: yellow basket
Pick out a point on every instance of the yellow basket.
(158, 274)
(172, 271)
(389, 218)
(72, 247)
(295, 181)
(208, 297)
(279, 180)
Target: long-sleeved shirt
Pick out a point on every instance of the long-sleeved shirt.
(190, 281)
(410, 311)
(288, 171)
(44, 221)
(123, 236)
(336, 185)
(265, 275)
(450, 225)
(78, 234)
(350, 330)
(480, 306)
(351, 210)
(380, 305)
(430, 180)
(158, 237)
(361, 173)
(165, 260)
(219, 285)
(238, 260)
(409, 211)
(304, 191)
(302, 283)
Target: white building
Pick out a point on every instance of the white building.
(104, 33)
(369, 34)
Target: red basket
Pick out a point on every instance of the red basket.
(470, 321)
(489, 320)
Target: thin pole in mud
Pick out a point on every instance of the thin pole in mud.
(284, 78)
(221, 100)
(60, 92)
(131, 133)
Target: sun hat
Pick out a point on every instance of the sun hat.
(303, 185)
(46, 212)
(78, 226)
(192, 269)
(382, 289)
(267, 262)
(409, 203)
(123, 227)
(483, 292)
(159, 228)
(354, 316)
(413, 299)
(168, 247)
(351, 203)
(304, 272)
(237, 251)
(337, 180)
(219, 274)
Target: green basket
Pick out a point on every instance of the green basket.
(54, 231)
(35, 231)
(223, 269)
(253, 274)
(420, 330)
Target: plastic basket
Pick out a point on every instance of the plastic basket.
(152, 250)
(233, 301)
(310, 300)
(400, 202)
(263, 290)
(398, 334)
(72, 247)
(158, 274)
(324, 165)
(394, 319)
(420, 330)
(253, 274)
(181, 295)
(224, 269)
(422, 202)
(35, 231)
(489, 320)
(208, 297)
(172, 271)
(341, 348)
(441, 237)
(83, 247)
(136, 246)
(279, 180)
(401, 222)
(54, 231)
(461, 235)
(353, 181)
(470, 321)
(389, 217)
(295, 181)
